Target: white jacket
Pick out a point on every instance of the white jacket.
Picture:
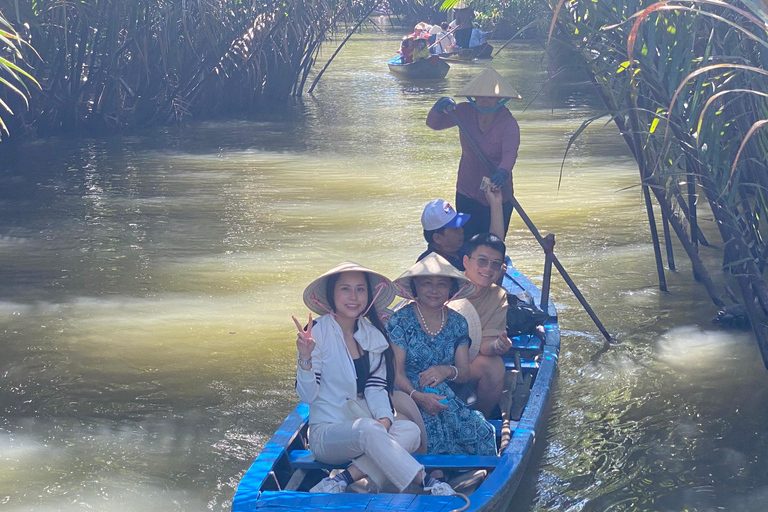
(332, 380)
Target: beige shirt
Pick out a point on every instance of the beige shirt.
(486, 315)
(491, 306)
(467, 310)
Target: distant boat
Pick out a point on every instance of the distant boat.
(483, 51)
(433, 68)
(282, 474)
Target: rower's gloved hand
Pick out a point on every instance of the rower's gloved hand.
(444, 105)
(500, 177)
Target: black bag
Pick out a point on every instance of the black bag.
(523, 317)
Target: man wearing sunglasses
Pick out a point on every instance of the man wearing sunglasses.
(483, 263)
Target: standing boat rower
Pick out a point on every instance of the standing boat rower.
(494, 128)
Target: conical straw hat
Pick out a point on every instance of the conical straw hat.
(434, 265)
(489, 83)
(468, 311)
(315, 292)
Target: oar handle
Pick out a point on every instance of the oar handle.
(532, 228)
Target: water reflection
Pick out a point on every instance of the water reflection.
(148, 281)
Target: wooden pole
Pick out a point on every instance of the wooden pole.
(534, 22)
(320, 74)
(548, 251)
(443, 37)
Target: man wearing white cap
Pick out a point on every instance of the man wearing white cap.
(443, 231)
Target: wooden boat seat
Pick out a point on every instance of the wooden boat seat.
(303, 459)
(526, 342)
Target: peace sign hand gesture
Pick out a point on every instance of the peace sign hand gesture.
(304, 341)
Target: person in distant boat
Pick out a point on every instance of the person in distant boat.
(444, 42)
(463, 22)
(434, 30)
(493, 128)
(443, 231)
(407, 46)
(421, 30)
(431, 347)
(346, 374)
(420, 49)
(478, 38)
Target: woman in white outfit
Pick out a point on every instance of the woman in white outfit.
(346, 374)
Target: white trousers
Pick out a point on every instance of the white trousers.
(383, 456)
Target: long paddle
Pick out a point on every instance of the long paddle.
(528, 222)
(441, 38)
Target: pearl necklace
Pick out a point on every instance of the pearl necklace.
(423, 321)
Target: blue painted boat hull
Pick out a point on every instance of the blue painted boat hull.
(260, 487)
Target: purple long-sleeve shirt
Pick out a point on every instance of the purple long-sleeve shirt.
(500, 144)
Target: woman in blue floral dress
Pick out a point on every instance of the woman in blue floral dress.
(431, 345)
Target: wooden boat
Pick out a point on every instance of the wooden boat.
(433, 68)
(483, 51)
(284, 471)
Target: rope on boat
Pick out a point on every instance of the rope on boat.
(465, 506)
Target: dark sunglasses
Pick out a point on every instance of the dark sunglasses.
(483, 262)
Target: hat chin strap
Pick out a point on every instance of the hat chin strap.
(461, 289)
(319, 304)
(494, 108)
(379, 288)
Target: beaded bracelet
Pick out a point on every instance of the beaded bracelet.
(455, 374)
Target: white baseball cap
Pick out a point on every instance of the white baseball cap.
(440, 214)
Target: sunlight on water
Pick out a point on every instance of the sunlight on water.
(148, 283)
(690, 350)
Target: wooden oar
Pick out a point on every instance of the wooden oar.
(528, 222)
(444, 36)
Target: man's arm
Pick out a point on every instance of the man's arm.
(495, 199)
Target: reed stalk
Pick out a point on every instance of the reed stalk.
(13, 76)
(684, 82)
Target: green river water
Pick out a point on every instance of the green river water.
(147, 282)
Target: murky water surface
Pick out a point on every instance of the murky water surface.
(147, 283)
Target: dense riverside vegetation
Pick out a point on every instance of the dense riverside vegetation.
(13, 79)
(685, 82)
(105, 65)
(509, 18)
(109, 65)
